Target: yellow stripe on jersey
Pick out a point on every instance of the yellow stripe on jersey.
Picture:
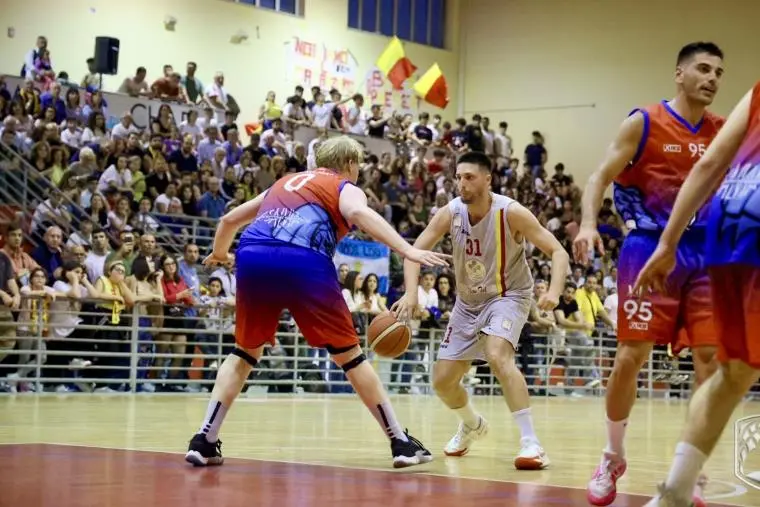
(499, 242)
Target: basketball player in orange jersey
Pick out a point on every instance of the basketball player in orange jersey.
(648, 161)
(733, 258)
(284, 260)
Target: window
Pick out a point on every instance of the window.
(287, 6)
(421, 21)
(369, 16)
(387, 20)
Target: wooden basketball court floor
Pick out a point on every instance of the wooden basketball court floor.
(304, 451)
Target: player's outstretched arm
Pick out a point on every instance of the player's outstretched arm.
(698, 186)
(522, 222)
(435, 230)
(230, 223)
(353, 207)
(619, 154)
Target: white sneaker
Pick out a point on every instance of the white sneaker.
(460, 443)
(532, 456)
(666, 498)
(13, 380)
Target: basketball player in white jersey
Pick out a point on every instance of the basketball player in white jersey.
(494, 295)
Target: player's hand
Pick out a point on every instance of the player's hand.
(587, 239)
(548, 301)
(655, 273)
(404, 308)
(216, 259)
(428, 258)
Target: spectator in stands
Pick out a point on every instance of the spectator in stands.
(183, 160)
(369, 294)
(219, 323)
(82, 237)
(191, 86)
(145, 283)
(49, 254)
(215, 93)
(233, 150)
(168, 88)
(33, 328)
(21, 262)
(211, 204)
(536, 154)
(589, 303)
(143, 220)
(226, 273)
(125, 127)
(11, 300)
(177, 296)
(114, 297)
(96, 258)
(91, 80)
(208, 146)
(119, 217)
(96, 131)
(64, 320)
(125, 254)
(136, 86)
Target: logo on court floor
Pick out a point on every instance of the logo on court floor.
(746, 441)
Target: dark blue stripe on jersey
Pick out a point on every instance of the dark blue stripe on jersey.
(644, 134)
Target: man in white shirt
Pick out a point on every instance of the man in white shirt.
(96, 258)
(321, 112)
(71, 136)
(503, 144)
(216, 95)
(125, 127)
(357, 118)
(611, 306)
(226, 274)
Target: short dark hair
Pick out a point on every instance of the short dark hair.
(476, 157)
(694, 48)
(503, 124)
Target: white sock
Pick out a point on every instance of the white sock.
(468, 416)
(524, 421)
(215, 414)
(615, 436)
(684, 472)
(386, 417)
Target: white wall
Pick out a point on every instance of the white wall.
(575, 69)
(203, 34)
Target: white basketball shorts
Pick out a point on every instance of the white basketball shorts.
(464, 338)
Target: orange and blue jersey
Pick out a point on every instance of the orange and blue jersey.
(284, 261)
(301, 209)
(645, 192)
(733, 230)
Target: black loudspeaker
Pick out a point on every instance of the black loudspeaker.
(106, 55)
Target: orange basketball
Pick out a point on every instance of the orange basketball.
(387, 336)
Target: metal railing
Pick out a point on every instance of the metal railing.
(137, 352)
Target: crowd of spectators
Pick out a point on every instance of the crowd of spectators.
(125, 213)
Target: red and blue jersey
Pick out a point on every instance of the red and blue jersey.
(301, 209)
(645, 192)
(733, 230)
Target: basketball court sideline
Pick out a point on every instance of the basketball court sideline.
(126, 450)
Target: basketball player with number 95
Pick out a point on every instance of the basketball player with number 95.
(648, 161)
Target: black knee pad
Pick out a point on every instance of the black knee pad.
(350, 365)
(339, 350)
(245, 356)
